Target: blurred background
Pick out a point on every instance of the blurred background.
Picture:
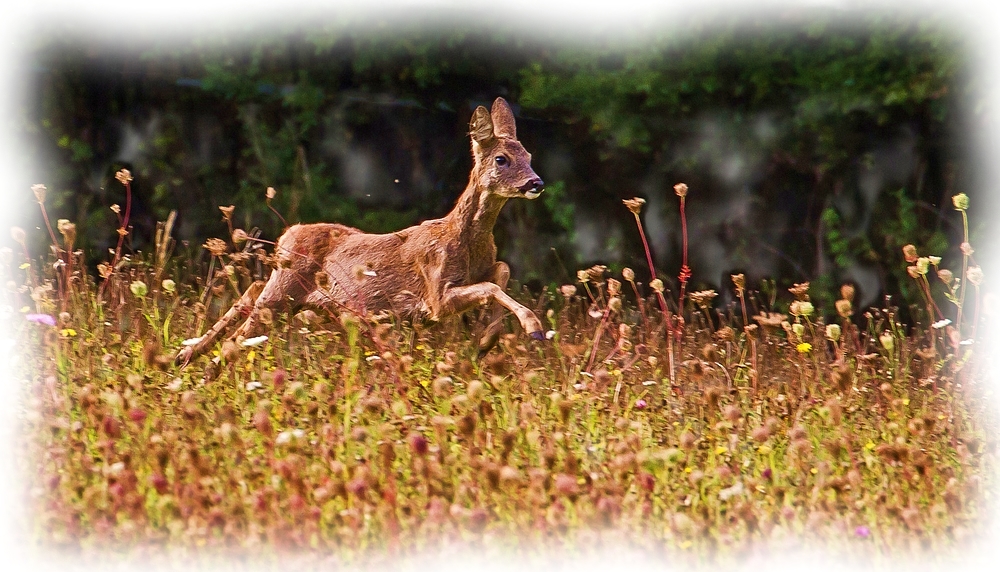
(815, 141)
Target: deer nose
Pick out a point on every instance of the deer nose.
(533, 185)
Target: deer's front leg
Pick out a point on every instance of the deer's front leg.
(457, 299)
(499, 275)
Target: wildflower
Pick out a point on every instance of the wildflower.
(966, 249)
(252, 342)
(138, 288)
(862, 532)
(640, 404)
(923, 263)
(681, 190)
(804, 348)
(945, 276)
(975, 275)
(961, 201)
(567, 290)
(39, 191)
(910, 253)
(634, 204)
(798, 329)
(627, 273)
(124, 176)
(270, 193)
(847, 292)
(17, 233)
(833, 332)
(41, 319)
(227, 212)
(801, 308)
(656, 284)
(887, 341)
(582, 276)
(550, 334)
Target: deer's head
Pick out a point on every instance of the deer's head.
(502, 166)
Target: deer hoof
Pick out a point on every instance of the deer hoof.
(183, 357)
(538, 336)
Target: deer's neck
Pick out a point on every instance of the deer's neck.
(473, 219)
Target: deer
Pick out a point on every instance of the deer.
(423, 273)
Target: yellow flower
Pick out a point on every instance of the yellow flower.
(720, 450)
(804, 348)
(68, 333)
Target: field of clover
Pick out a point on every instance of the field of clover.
(654, 418)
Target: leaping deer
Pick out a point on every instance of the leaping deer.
(425, 272)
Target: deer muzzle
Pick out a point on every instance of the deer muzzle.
(533, 188)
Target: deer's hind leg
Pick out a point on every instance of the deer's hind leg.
(243, 307)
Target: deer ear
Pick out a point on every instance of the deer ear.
(481, 126)
(503, 119)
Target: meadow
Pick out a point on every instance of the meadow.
(652, 416)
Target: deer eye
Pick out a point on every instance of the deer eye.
(501, 160)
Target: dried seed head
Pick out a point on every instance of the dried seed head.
(725, 334)
(583, 276)
(634, 204)
(961, 201)
(681, 190)
(833, 332)
(760, 434)
(739, 282)
(975, 275)
(945, 276)
(703, 298)
(567, 290)
(687, 440)
(239, 236)
(732, 413)
(615, 304)
(124, 176)
(887, 341)
(68, 230)
(910, 253)
(17, 233)
(270, 193)
(628, 274)
(966, 249)
(844, 308)
(614, 287)
(657, 285)
(800, 291)
(227, 212)
(711, 397)
(216, 246)
(596, 272)
(39, 190)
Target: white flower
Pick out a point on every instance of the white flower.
(940, 324)
(550, 334)
(254, 385)
(192, 341)
(371, 359)
(252, 342)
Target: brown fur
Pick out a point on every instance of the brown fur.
(425, 272)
